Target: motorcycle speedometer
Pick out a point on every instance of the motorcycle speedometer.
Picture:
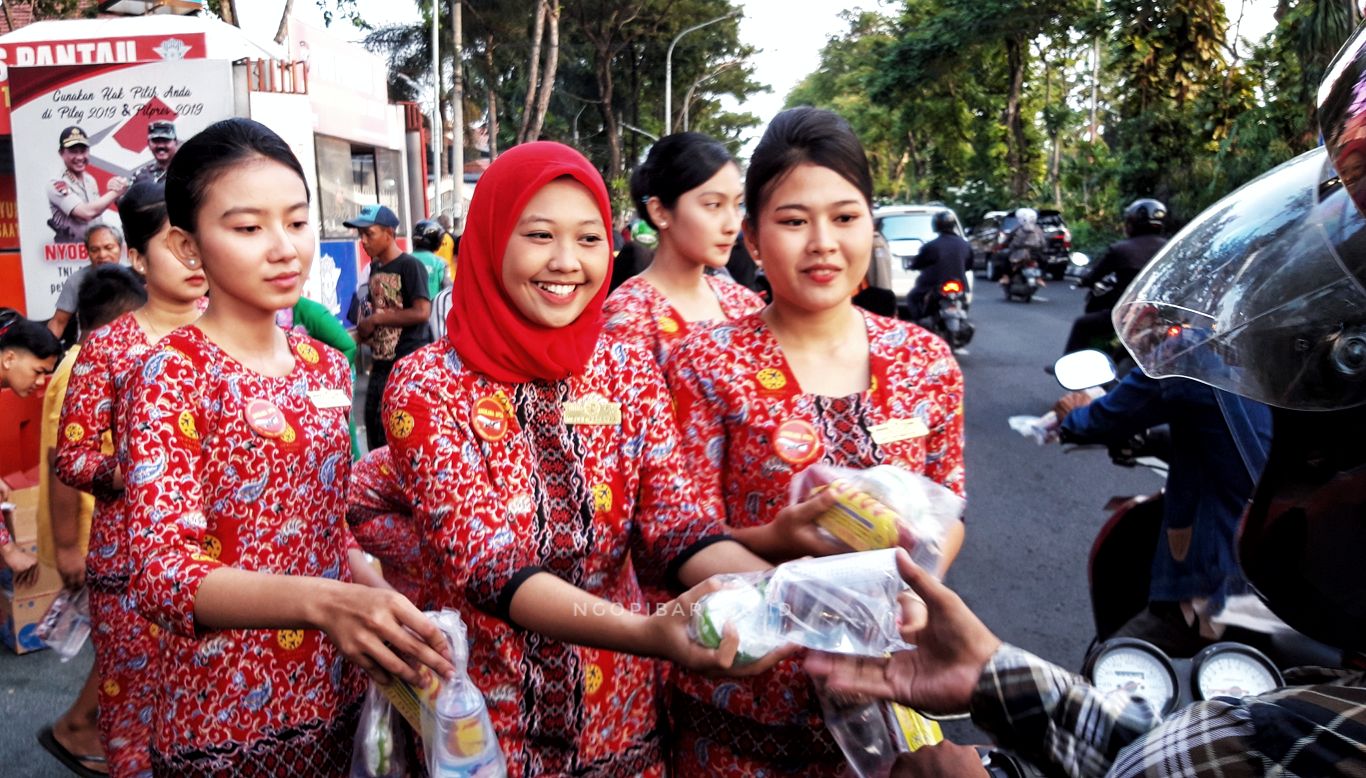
(1134, 667)
(1232, 670)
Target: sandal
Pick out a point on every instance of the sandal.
(78, 764)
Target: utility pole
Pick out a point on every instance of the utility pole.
(437, 139)
(458, 131)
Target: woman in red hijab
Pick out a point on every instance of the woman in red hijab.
(543, 466)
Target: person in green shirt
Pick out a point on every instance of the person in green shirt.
(426, 240)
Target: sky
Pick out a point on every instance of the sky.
(788, 33)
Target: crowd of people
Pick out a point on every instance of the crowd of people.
(564, 464)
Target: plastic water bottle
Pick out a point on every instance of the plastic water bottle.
(466, 746)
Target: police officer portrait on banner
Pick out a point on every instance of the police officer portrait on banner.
(74, 194)
(162, 142)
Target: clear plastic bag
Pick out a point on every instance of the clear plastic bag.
(456, 728)
(872, 734)
(883, 507)
(66, 625)
(380, 740)
(843, 604)
(1041, 429)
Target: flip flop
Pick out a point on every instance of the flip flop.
(76, 763)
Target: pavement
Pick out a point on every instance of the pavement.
(1032, 514)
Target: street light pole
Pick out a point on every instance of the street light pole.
(669, 68)
(687, 97)
(458, 131)
(437, 137)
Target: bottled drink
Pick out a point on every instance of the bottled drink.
(466, 746)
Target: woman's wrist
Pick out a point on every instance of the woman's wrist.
(316, 599)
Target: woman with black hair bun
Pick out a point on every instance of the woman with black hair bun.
(808, 380)
(689, 191)
(238, 461)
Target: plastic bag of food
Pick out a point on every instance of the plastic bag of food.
(843, 604)
(66, 625)
(872, 734)
(883, 507)
(379, 749)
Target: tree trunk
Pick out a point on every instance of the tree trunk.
(492, 87)
(609, 118)
(282, 31)
(1015, 139)
(533, 71)
(552, 61)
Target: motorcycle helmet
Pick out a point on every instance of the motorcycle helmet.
(945, 221)
(427, 235)
(1144, 216)
(1027, 216)
(1264, 295)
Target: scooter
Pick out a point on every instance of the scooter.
(949, 316)
(1024, 280)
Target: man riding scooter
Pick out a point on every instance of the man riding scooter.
(1263, 295)
(946, 258)
(1143, 224)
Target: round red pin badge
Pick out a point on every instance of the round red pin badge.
(265, 419)
(490, 419)
(796, 442)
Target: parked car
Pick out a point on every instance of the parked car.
(992, 235)
(907, 228)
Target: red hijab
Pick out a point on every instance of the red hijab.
(488, 331)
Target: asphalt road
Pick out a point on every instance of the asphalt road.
(1032, 513)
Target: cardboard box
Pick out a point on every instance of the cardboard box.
(25, 514)
(48, 580)
(18, 630)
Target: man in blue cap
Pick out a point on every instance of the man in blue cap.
(393, 322)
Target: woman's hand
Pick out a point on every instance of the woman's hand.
(71, 566)
(668, 637)
(382, 633)
(21, 563)
(793, 533)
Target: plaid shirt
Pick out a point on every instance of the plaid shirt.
(1057, 718)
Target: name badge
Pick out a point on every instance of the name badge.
(897, 430)
(329, 398)
(592, 410)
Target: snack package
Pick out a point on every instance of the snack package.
(379, 749)
(844, 604)
(66, 625)
(883, 507)
(872, 734)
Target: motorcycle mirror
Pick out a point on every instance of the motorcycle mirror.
(1084, 369)
(1079, 259)
(1342, 115)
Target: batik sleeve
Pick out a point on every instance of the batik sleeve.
(87, 415)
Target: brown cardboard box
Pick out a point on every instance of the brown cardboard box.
(48, 580)
(25, 516)
(19, 619)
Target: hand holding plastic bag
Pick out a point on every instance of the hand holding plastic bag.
(883, 507)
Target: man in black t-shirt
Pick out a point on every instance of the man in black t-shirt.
(394, 320)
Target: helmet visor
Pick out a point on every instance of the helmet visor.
(1342, 115)
(1262, 295)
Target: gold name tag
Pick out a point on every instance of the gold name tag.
(898, 429)
(329, 398)
(592, 411)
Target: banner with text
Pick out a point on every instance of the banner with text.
(87, 132)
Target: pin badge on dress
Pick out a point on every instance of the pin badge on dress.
(265, 419)
(796, 442)
(489, 417)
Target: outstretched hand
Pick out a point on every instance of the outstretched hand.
(672, 639)
(939, 675)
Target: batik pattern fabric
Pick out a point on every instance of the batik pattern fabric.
(637, 311)
(234, 468)
(99, 402)
(506, 483)
(380, 515)
(747, 429)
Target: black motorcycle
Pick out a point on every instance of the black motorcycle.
(948, 315)
(1024, 279)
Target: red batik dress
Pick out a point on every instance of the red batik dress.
(230, 467)
(748, 429)
(636, 310)
(380, 515)
(570, 478)
(99, 399)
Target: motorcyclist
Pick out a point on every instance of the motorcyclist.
(945, 258)
(1264, 295)
(1219, 447)
(1144, 221)
(1026, 242)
